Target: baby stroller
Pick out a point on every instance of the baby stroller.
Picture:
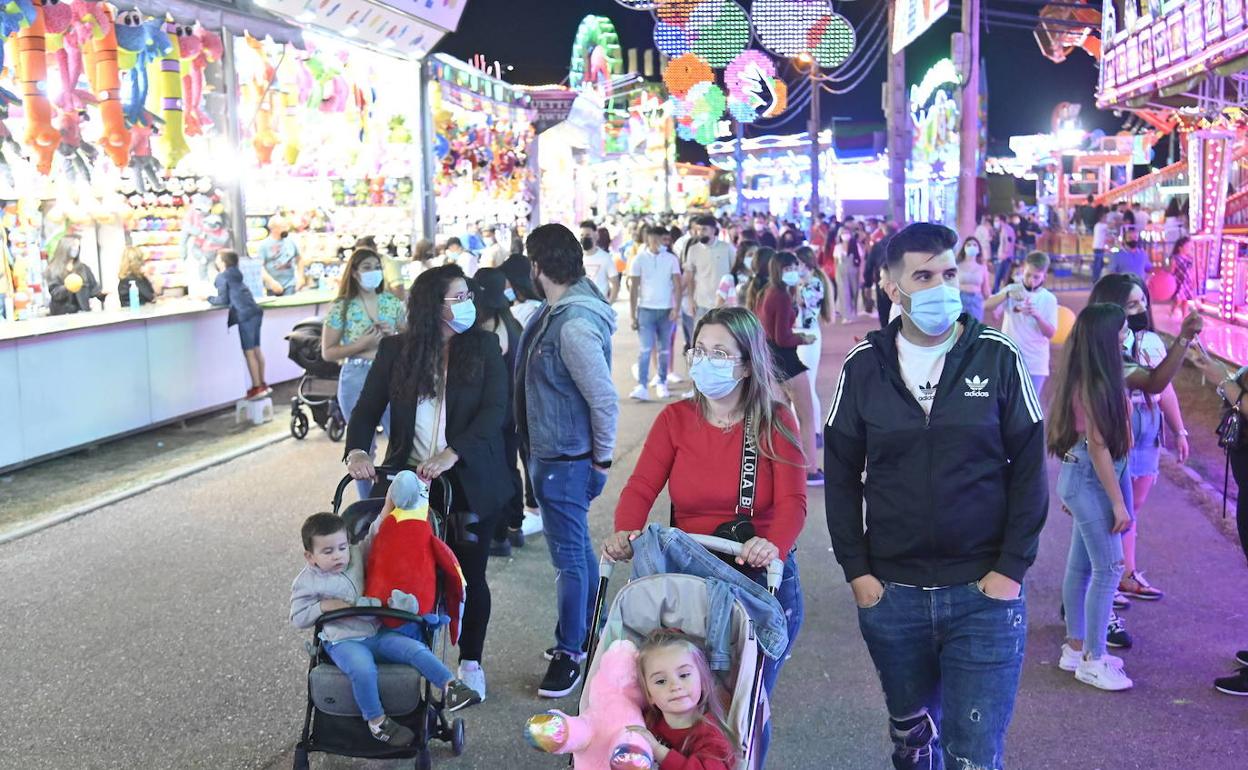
(333, 723)
(317, 391)
(673, 600)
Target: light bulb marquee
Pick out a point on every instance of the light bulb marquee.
(794, 27)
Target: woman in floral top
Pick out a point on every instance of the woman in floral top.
(357, 321)
(813, 310)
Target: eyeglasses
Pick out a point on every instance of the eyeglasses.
(717, 357)
(463, 296)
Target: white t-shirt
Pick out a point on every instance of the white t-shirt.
(1100, 235)
(655, 272)
(921, 367)
(493, 255)
(600, 267)
(524, 310)
(707, 264)
(1025, 331)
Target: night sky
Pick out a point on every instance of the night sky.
(535, 37)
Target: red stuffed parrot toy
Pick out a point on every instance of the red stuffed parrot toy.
(407, 556)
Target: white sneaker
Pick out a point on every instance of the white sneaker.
(1071, 658)
(640, 393)
(687, 394)
(1104, 674)
(654, 380)
(473, 675)
(674, 379)
(532, 523)
(661, 392)
(636, 371)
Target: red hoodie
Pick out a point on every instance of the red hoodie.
(701, 747)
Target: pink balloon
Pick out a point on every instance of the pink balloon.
(1162, 285)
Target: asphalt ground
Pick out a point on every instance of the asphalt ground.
(153, 634)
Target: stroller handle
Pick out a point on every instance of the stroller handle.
(775, 568)
(389, 471)
(376, 612)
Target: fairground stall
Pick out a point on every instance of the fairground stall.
(482, 143)
(932, 170)
(122, 128)
(1183, 63)
(775, 173)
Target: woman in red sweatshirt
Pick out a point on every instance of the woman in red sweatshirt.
(695, 450)
(779, 316)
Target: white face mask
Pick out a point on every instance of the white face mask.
(790, 277)
(972, 250)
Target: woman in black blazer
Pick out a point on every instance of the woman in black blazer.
(446, 386)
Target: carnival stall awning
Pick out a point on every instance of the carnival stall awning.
(401, 27)
(238, 16)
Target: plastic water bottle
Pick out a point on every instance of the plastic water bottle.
(134, 295)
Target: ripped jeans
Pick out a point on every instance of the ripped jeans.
(949, 661)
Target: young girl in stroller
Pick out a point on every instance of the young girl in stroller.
(685, 715)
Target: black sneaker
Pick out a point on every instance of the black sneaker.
(1235, 684)
(460, 696)
(393, 733)
(549, 654)
(1241, 658)
(562, 676)
(500, 548)
(1116, 636)
(516, 536)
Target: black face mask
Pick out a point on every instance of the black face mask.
(1138, 323)
(704, 239)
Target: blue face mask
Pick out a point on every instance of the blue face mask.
(510, 294)
(463, 316)
(370, 279)
(934, 310)
(711, 380)
(792, 278)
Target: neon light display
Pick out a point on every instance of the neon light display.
(639, 5)
(934, 114)
(716, 30)
(596, 54)
(754, 91)
(792, 27)
(684, 72)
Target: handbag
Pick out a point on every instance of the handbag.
(1231, 437)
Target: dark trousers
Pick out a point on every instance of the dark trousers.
(883, 306)
(1239, 469)
(1002, 275)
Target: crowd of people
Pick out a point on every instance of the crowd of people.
(498, 380)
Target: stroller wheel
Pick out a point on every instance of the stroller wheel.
(335, 428)
(298, 424)
(457, 737)
(424, 760)
(301, 758)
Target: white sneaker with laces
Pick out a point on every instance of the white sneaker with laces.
(532, 523)
(674, 379)
(1071, 658)
(640, 393)
(661, 392)
(473, 675)
(1103, 674)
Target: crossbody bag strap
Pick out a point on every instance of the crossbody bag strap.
(749, 470)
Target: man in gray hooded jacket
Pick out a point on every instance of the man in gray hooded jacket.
(566, 411)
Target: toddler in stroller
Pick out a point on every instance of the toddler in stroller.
(328, 594)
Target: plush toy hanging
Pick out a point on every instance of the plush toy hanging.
(79, 156)
(42, 138)
(146, 168)
(198, 51)
(168, 72)
(13, 17)
(139, 44)
(100, 59)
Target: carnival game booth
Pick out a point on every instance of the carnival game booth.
(1183, 64)
(775, 173)
(482, 148)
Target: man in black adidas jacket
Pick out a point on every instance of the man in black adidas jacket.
(939, 411)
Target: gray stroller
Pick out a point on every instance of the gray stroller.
(671, 600)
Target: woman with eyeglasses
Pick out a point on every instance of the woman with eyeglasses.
(445, 384)
(695, 450)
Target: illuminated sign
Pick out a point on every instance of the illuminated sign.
(440, 13)
(913, 17)
(792, 27)
(936, 121)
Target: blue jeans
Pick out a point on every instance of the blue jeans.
(350, 385)
(1098, 264)
(564, 490)
(358, 658)
(1002, 274)
(790, 596)
(1095, 563)
(949, 661)
(687, 325)
(1145, 456)
(973, 303)
(654, 327)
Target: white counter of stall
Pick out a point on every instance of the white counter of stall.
(69, 381)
